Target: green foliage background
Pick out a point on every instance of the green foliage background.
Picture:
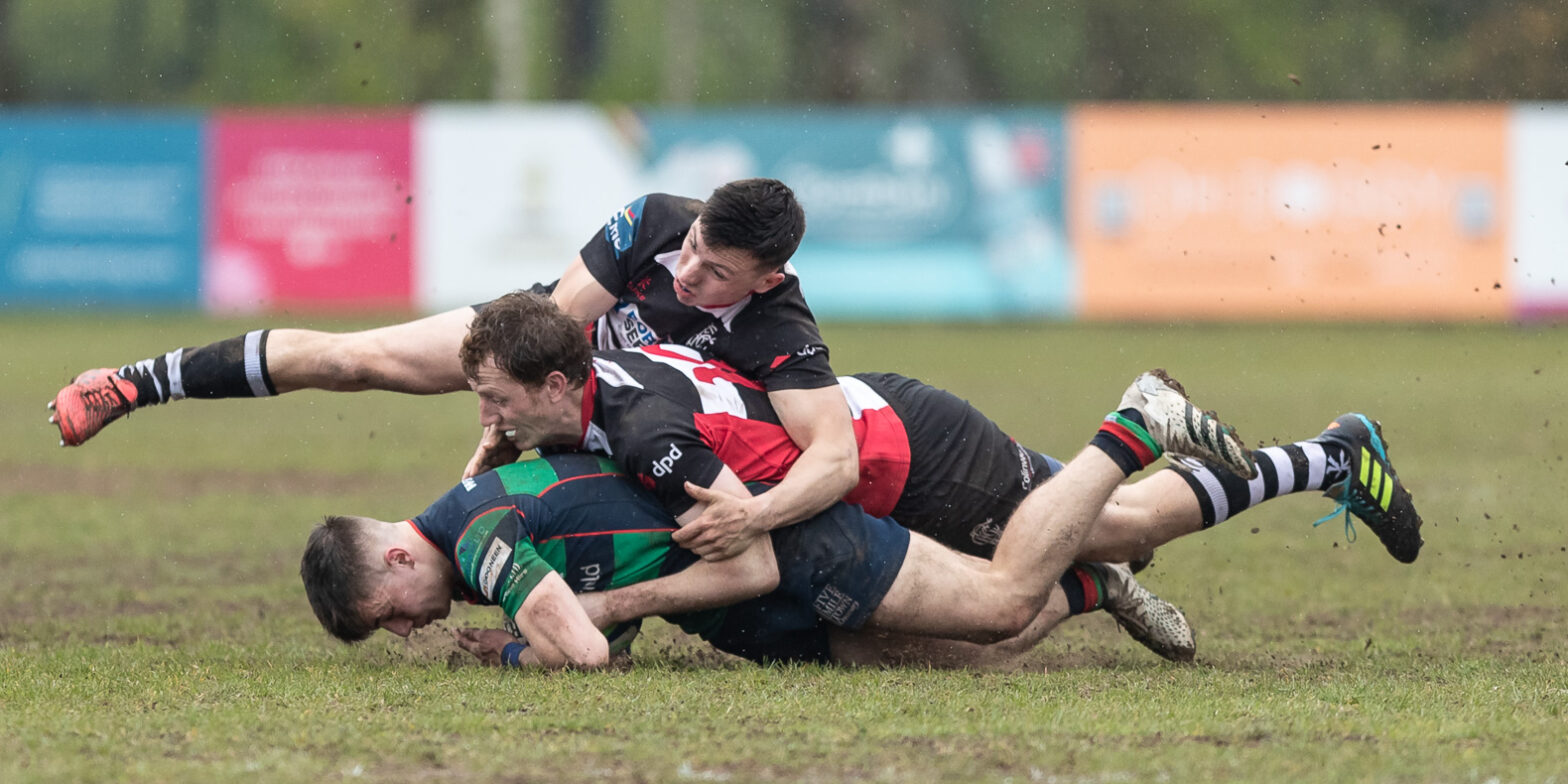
(204, 53)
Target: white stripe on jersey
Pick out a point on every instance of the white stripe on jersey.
(718, 395)
(860, 396)
(596, 440)
(613, 374)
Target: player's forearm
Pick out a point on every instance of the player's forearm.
(704, 585)
(823, 474)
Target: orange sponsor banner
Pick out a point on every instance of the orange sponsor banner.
(1289, 211)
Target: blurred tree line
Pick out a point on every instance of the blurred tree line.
(200, 53)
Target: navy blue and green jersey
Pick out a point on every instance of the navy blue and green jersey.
(576, 515)
(572, 514)
(772, 337)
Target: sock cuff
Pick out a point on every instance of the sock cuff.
(1136, 431)
(256, 364)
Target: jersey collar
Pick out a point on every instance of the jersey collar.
(590, 388)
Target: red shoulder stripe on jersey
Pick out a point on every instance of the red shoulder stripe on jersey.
(778, 360)
(560, 482)
(410, 522)
(610, 533)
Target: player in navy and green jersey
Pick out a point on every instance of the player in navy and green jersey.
(571, 514)
(577, 526)
(574, 517)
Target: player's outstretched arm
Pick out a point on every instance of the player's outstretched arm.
(580, 295)
(818, 421)
(559, 632)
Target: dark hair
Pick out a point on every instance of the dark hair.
(529, 337)
(759, 216)
(337, 575)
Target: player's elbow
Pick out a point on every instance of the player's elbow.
(842, 462)
(589, 655)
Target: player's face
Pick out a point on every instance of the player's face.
(710, 277)
(409, 599)
(531, 415)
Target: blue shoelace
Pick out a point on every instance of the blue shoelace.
(1344, 500)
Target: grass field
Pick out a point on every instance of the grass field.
(153, 627)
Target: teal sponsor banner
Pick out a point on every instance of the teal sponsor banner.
(910, 215)
(100, 209)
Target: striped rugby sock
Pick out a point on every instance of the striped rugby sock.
(1084, 586)
(1282, 470)
(236, 367)
(1123, 437)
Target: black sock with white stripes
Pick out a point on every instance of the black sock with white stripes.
(1292, 468)
(236, 367)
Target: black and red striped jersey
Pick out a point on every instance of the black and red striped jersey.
(669, 416)
(771, 337)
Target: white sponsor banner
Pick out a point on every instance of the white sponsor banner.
(509, 194)
(1538, 167)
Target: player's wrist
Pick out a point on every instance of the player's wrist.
(512, 653)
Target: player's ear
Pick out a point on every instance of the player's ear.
(768, 281)
(397, 556)
(556, 385)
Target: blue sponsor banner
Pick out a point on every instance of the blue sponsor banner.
(100, 209)
(910, 215)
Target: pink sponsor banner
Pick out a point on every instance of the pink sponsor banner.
(310, 211)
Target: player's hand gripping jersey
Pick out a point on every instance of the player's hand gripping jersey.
(771, 337)
(927, 458)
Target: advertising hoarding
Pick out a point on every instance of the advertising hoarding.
(310, 211)
(100, 209)
(910, 215)
(1290, 211)
(509, 194)
(1538, 165)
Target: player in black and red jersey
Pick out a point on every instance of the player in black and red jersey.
(711, 275)
(930, 460)
(529, 535)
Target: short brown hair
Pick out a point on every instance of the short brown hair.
(529, 338)
(337, 575)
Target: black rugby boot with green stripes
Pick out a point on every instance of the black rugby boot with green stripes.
(1371, 490)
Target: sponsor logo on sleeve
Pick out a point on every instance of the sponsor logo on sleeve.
(494, 567)
(664, 465)
(469, 484)
(1025, 468)
(621, 230)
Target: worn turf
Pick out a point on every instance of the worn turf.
(152, 626)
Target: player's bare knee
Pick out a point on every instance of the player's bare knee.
(1006, 617)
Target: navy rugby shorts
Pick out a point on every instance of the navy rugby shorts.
(834, 569)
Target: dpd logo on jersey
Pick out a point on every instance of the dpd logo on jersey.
(663, 465)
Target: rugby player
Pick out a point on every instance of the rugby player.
(711, 275)
(530, 535)
(929, 460)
